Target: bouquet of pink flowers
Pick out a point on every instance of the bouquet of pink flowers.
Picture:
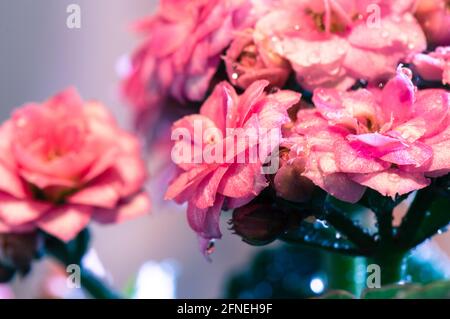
(308, 111)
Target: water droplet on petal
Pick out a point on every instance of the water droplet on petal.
(235, 76)
(211, 248)
(407, 72)
(411, 46)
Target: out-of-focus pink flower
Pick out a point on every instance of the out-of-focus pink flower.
(390, 142)
(64, 162)
(434, 17)
(208, 186)
(185, 39)
(434, 66)
(248, 61)
(332, 43)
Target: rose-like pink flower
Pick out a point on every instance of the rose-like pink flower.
(389, 141)
(65, 162)
(332, 43)
(434, 17)
(209, 185)
(182, 51)
(434, 66)
(248, 61)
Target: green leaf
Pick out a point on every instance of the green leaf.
(388, 292)
(435, 290)
(314, 234)
(437, 218)
(337, 294)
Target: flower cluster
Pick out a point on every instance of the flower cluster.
(365, 119)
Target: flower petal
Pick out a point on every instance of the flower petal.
(65, 222)
(392, 182)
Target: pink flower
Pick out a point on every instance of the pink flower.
(332, 43)
(182, 51)
(434, 17)
(390, 142)
(248, 61)
(65, 162)
(434, 66)
(207, 187)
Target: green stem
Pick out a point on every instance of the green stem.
(91, 283)
(95, 287)
(392, 267)
(343, 273)
(415, 216)
(385, 229)
(345, 225)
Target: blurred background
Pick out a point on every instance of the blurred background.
(40, 56)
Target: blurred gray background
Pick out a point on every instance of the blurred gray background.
(40, 56)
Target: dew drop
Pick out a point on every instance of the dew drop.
(411, 46)
(211, 248)
(407, 72)
(235, 76)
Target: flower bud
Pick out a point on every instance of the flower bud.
(289, 182)
(261, 223)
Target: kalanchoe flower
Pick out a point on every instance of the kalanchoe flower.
(65, 162)
(332, 43)
(231, 180)
(434, 66)
(185, 40)
(390, 141)
(248, 60)
(434, 17)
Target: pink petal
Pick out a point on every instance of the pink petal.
(429, 68)
(134, 207)
(206, 221)
(239, 181)
(392, 182)
(10, 182)
(104, 191)
(219, 103)
(185, 185)
(17, 212)
(416, 154)
(338, 185)
(248, 100)
(378, 142)
(397, 98)
(65, 222)
(351, 160)
(205, 195)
